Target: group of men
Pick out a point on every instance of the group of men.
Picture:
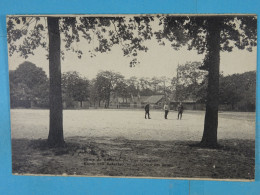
(166, 110)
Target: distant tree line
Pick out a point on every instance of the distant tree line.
(237, 91)
(30, 84)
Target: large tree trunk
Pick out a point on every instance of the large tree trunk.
(209, 138)
(55, 137)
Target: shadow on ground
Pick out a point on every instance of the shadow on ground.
(121, 157)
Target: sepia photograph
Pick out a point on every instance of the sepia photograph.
(136, 96)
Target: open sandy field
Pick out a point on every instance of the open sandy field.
(130, 124)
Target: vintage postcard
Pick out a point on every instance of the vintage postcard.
(143, 96)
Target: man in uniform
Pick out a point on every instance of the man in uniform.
(146, 108)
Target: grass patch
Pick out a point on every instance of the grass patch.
(103, 156)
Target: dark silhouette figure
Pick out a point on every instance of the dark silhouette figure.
(180, 111)
(147, 109)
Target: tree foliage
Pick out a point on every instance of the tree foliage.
(239, 91)
(103, 32)
(187, 81)
(108, 82)
(28, 82)
(193, 32)
(74, 88)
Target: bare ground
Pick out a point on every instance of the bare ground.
(106, 156)
(130, 124)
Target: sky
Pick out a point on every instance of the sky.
(158, 61)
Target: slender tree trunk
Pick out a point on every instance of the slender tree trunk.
(55, 137)
(209, 138)
(108, 100)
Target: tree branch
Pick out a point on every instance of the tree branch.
(117, 34)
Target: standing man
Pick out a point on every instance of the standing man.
(147, 108)
(180, 110)
(166, 110)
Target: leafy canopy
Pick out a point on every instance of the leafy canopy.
(193, 31)
(103, 32)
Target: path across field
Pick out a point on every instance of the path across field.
(130, 124)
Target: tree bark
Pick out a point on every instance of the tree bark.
(55, 137)
(108, 100)
(209, 138)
